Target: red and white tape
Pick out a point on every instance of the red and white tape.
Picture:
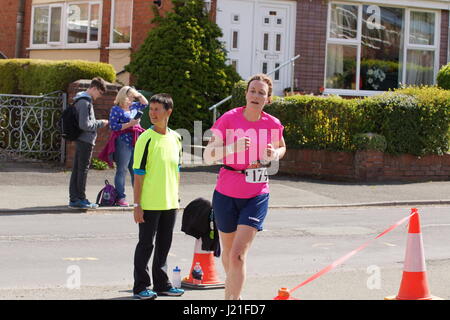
(344, 258)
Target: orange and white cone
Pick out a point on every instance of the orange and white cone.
(414, 285)
(210, 279)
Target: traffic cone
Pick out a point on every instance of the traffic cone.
(284, 294)
(210, 279)
(414, 285)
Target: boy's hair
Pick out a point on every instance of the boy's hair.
(98, 83)
(164, 99)
(262, 77)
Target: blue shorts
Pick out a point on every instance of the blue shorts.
(230, 212)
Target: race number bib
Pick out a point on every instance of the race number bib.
(257, 175)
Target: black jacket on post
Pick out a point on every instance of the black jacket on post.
(198, 221)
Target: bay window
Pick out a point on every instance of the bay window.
(374, 48)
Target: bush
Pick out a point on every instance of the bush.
(413, 120)
(182, 56)
(369, 141)
(98, 164)
(35, 77)
(316, 122)
(443, 77)
(238, 95)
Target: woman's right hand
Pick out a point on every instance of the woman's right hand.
(242, 144)
(138, 215)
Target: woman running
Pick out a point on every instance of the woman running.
(246, 140)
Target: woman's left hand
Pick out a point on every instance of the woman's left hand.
(270, 153)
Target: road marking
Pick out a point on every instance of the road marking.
(389, 244)
(80, 259)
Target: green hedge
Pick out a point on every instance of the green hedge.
(443, 77)
(33, 77)
(413, 120)
(316, 122)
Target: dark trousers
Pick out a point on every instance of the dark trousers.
(159, 225)
(80, 168)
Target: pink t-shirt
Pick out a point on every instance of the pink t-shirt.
(231, 126)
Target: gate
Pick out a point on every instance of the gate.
(30, 127)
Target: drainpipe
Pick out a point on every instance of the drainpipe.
(19, 28)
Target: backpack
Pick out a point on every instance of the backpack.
(107, 196)
(70, 130)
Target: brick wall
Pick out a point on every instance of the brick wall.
(310, 44)
(142, 16)
(8, 15)
(102, 107)
(364, 166)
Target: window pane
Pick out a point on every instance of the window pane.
(422, 28)
(78, 23)
(266, 41)
(381, 48)
(235, 40)
(420, 67)
(94, 23)
(341, 66)
(278, 43)
(40, 25)
(55, 24)
(344, 21)
(264, 67)
(277, 73)
(122, 21)
(234, 63)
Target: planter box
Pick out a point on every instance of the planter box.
(364, 166)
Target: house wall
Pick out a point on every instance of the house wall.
(310, 44)
(89, 55)
(8, 23)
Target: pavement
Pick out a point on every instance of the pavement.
(37, 189)
(33, 187)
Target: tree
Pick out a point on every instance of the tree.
(183, 57)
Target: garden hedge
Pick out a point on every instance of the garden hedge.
(35, 77)
(412, 120)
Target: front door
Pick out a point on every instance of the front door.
(259, 36)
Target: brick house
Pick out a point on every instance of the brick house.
(353, 48)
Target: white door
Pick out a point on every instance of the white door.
(259, 36)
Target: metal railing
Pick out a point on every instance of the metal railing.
(30, 126)
(288, 62)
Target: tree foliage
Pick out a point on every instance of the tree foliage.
(183, 57)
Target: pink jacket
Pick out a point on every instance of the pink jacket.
(110, 147)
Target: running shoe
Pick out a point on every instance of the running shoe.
(122, 203)
(146, 295)
(85, 204)
(173, 292)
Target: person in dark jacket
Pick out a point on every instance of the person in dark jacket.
(84, 145)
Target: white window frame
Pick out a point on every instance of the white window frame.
(88, 44)
(63, 44)
(126, 45)
(357, 42)
(61, 32)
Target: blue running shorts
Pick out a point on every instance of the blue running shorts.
(230, 212)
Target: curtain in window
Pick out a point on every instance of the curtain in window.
(419, 68)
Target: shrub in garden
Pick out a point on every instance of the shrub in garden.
(35, 77)
(183, 57)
